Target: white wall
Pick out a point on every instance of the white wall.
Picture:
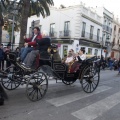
(73, 14)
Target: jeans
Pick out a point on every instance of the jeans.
(24, 51)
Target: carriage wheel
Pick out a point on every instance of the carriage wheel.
(11, 82)
(68, 82)
(90, 79)
(37, 86)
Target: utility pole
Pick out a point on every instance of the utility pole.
(12, 37)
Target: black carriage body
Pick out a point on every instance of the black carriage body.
(61, 71)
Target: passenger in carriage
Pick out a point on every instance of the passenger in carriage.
(69, 58)
(42, 46)
(74, 65)
(30, 43)
(81, 55)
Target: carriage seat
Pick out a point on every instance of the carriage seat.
(89, 60)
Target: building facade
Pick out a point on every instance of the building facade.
(71, 28)
(116, 39)
(107, 21)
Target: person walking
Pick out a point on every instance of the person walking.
(1, 57)
(7, 50)
(119, 67)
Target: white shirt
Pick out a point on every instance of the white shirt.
(83, 56)
(69, 59)
(34, 38)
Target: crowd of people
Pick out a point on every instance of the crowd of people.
(110, 63)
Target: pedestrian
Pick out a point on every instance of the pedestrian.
(1, 57)
(119, 66)
(7, 50)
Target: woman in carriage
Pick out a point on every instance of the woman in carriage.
(74, 62)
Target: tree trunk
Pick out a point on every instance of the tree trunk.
(0, 34)
(25, 14)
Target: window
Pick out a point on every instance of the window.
(52, 29)
(83, 29)
(67, 28)
(96, 52)
(98, 34)
(91, 31)
(90, 51)
(65, 49)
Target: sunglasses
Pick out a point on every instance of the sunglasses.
(70, 51)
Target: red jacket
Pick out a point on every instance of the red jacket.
(29, 40)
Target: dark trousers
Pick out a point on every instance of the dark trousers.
(2, 64)
(30, 58)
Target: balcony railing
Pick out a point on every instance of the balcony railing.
(53, 34)
(107, 28)
(65, 33)
(91, 36)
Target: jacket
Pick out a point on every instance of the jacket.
(1, 54)
(29, 40)
(43, 44)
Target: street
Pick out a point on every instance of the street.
(67, 102)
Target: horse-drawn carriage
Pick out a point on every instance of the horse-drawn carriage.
(36, 80)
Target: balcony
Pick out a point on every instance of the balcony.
(65, 34)
(107, 28)
(53, 34)
(91, 37)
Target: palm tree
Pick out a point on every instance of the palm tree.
(32, 7)
(26, 8)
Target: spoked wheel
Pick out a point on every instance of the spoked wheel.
(90, 79)
(68, 82)
(47, 70)
(12, 81)
(37, 86)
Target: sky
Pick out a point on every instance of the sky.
(111, 5)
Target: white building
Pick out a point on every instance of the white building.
(116, 39)
(107, 21)
(71, 28)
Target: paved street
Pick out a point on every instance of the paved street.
(67, 102)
